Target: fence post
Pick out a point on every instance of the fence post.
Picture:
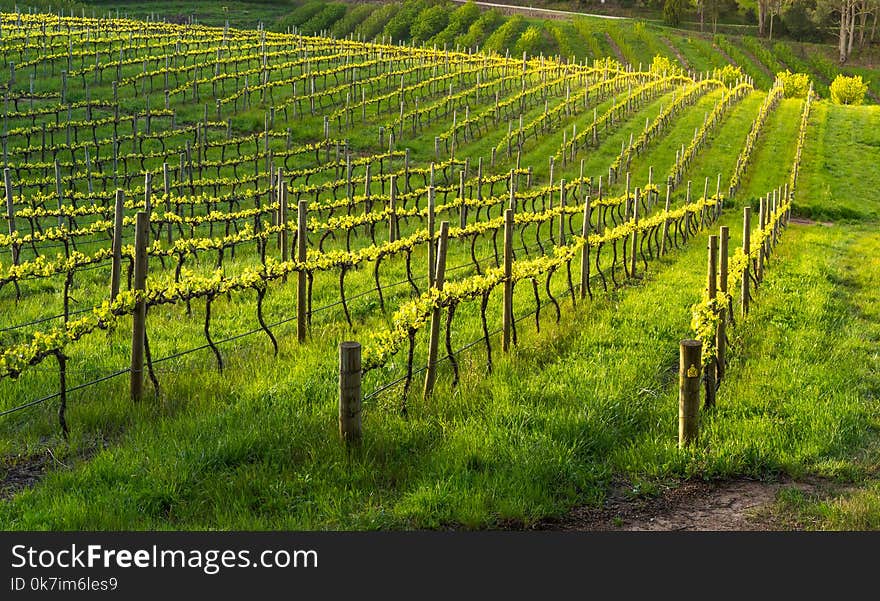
(350, 392)
(635, 235)
(462, 209)
(762, 222)
(434, 339)
(138, 333)
(711, 289)
(690, 353)
(392, 207)
(507, 317)
(282, 221)
(665, 220)
(562, 212)
(10, 212)
(721, 332)
(118, 211)
(585, 249)
(302, 237)
(59, 191)
(746, 248)
(431, 250)
(166, 190)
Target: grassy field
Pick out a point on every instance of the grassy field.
(586, 399)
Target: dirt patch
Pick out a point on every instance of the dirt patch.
(19, 473)
(678, 55)
(723, 505)
(616, 49)
(805, 221)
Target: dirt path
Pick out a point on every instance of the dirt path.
(740, 504)
(681, 59)
(617, 51)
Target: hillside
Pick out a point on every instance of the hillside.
(199, 216)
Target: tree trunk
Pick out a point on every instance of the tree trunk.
(863, 23)
(771, 26)
(874, 27)
(841, 39)
(852, 28)
(702, 6)
(762, 14)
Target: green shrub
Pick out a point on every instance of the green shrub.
(429, 23)
(848, 90)
(505, 36)
(480, 29)
(529, 42)
(661, 65)
(673, 11)
(794, 85)
(373, 25)
(728, 74)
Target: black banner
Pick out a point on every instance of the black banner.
(170, 565)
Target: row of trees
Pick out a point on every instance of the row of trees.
(854, 22)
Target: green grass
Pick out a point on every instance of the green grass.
(840, 177)
(585, 402)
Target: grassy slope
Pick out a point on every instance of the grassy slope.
(244, 453)
(840, 176)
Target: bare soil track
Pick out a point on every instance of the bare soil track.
(723, 505)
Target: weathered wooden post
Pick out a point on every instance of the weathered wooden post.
(10, 212)
(116, 268)
(585, 250)
(712, 291)
(434, 338)
(635, 235)
(762, 223)
(302, 301)
(507, 316)
(690, 359)
(392, 207)
(746, 248)
(666, 220)
(562, 212)
(721, 332)
(282, 221)
(431, 250)
(138, 332)
(350, 392)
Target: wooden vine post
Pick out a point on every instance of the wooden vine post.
(116, 268)
(282, 220)
(635, 235)
(585, 250)
(138, 331)
(712, 290)
(431, 250)
(721, 331)
(762, 221)
(10, 212)
(666, 220)
(350, 392)
(302, 303)
(166, 190)
(507, 316)
(434, 338)
(392, 208)
(746, 248)
(690, 360)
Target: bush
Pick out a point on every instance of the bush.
(794, 85)
(529, 42)
(480, 29)
(398, 27)
(848, 90)
(372, 26)
(505, 36)
(661, 65)
(429, 23)
(728, 74)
